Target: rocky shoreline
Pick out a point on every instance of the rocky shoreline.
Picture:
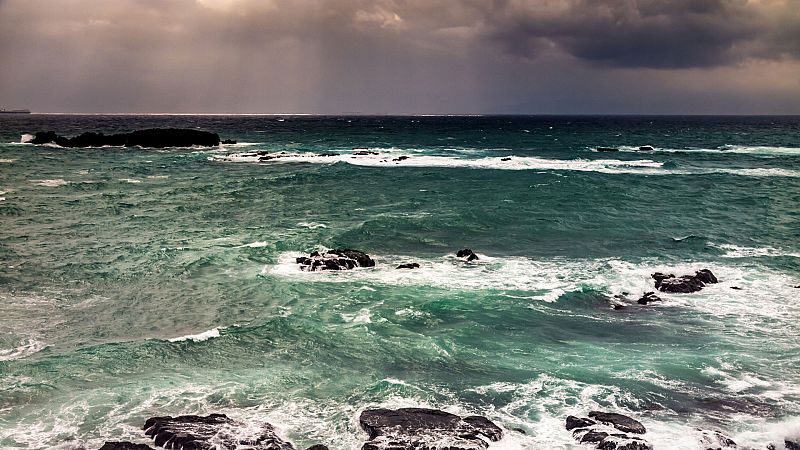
(404, 429)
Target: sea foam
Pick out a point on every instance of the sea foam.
(204, 336)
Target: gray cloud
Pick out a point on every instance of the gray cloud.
(403, 56)
(652, 33)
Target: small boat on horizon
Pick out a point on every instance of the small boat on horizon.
(14, 111)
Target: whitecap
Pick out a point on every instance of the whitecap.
(736, 251)
(204, 336)
(51, 182)
(26, 348)
(257, 244)
(311, 225)
(754, 150)
(130, 180)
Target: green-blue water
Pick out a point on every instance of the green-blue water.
(107, 254)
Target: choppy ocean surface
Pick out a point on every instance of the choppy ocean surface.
(139, 282)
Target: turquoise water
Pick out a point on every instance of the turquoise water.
(109, 254)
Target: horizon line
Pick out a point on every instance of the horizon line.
(355, 114)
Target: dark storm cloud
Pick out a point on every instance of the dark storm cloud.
(400, 55)
(652, 33)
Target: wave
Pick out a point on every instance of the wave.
(610, 166)
(257, 244)
(56, 182)
(758, 294)
(204, 336)
(645, 166)
(735, 251)
(755, 150)
(26, 348)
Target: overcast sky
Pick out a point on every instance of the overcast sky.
(401, 56)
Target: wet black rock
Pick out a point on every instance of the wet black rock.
(606, 149)
(597, 431)
(647, 298)
(401, 158)
(468, 254)
(736, 288)
(115, 445)
(505, 159)
(619, 421)
(706, 276)
(318, 447)
(365, 153)
(684, 284)
(408, 266)
(336, 259)
(228, 142)
(426, 429)
(646, 148)
(204, 432)
(577, 422)
(153, 138)
(593, 437)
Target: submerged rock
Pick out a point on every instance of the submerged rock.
(205, 432)
(714, 440)
(408, 266)
(606, 149)
(336, 259)
(684, 284)
(426, 429)
(646, 148)
(115, 445)
(648, 297)
(468, 254)
(154, 138)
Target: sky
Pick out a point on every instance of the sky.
(401, 56)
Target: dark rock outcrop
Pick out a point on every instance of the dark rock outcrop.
(619, 421)
(600, 433)
(648, 297)
(203, 432)
(154, 138)
(116, 445)
(468, 254)
(336, 259)
(408, 266)
(684, 284)
(401, 158)
(577, 422)
(228, 142)
(646, 148)
(606, 149)
(426, 429)
(505, 159)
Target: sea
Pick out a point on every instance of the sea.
(140, 282)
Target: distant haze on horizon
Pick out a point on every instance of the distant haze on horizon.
(401, 56)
